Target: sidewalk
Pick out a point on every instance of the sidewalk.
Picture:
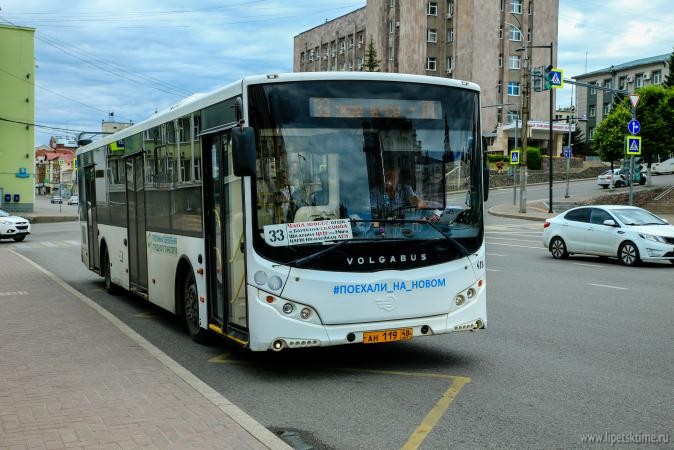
(74, 376)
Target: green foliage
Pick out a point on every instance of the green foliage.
(371, 63)
(609, 136)
(533, 158)
(655, 112)
(497, 157)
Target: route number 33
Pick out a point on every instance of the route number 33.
(276, 235)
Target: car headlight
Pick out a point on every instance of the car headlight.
(650, 237)
(5, 222)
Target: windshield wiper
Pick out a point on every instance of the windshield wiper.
(299, 262)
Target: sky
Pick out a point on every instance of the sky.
(133, 58)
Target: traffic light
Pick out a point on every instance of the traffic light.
(537, 73)
(548, 78)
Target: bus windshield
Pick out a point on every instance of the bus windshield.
(363, 165)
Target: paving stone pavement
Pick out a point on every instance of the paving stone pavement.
(71, 377)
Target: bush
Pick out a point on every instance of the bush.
(492, 158)
(533, 158)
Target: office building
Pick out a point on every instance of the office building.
(471, 40)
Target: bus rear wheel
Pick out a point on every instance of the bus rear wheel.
(191, 309)
(107, 277)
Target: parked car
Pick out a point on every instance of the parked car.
(664, 167)
(56, 199)
(13, 227)
(619, 177)
(628, 233)
(74, 200)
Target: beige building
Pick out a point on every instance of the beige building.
(471, 40)
(595, 104)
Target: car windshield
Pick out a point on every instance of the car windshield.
(3, 214)
(637, 217)
(365, 161)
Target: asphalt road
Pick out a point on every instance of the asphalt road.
(573, 347)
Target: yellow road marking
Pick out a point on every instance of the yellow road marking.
(431, 419)
(145, 315)
(434, 415)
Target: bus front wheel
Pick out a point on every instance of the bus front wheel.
(191, 309)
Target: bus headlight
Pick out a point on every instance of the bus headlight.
(305, 313)
(288, 308)
(260, 277)
(275, 283)
(459, 300)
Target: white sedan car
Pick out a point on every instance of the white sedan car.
(13, 227)
(628, 233)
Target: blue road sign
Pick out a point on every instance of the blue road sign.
(633, 145)
(515, 157)
(634, 126)
(566, 152)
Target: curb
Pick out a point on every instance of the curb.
(515, 216)
(51, 219)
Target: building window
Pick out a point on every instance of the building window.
(450, 35)
(311, 55)
(432, 9)
(432, 36)
(351, 41)
(591, 132)
(512, 116)
(513, 88)
(639, 80)
(592, 111)
(500, 59)
(529, 35)
(622, 82)
(656, 76)
(390, 53)
(392, 3)
(607, 108)
(608, 83)
(391, 26)
(514, 34)
(450, 64)
(500, 32)
(513, 62)
(302, 58)
(593, 89)
(531, 7)
(516, 6)
(450, 8)
(431, 63)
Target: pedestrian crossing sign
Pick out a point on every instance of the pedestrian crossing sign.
(633, 145)
(514, 157)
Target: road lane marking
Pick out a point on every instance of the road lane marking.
(49, 244)
(434, 415)
(588, 265)
(75, 243)
(513, 245)
(514, 240)
(494, 254)
(493, 270)
(610, 287)
(145, 315)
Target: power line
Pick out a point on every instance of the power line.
(36, 125)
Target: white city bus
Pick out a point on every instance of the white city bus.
(261, 211)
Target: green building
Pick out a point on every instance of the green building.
(17, 111)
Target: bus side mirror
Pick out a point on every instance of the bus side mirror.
(243, 151)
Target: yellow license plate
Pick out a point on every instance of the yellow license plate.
(377, 337)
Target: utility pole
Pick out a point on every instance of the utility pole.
(524, 75)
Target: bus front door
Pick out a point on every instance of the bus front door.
(135, 196)
(224, 238)
(92, 225)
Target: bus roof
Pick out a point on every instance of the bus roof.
(202, 100)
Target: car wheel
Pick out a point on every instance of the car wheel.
(642, 181)
(191, 308)
(19, 238)
(558, 248)
(618, 184)
(604, 186)
(628, 254)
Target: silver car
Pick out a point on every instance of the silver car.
(628, 233)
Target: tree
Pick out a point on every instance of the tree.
(654, 112)
(371, 63)
(609, 136)
(669, 79)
